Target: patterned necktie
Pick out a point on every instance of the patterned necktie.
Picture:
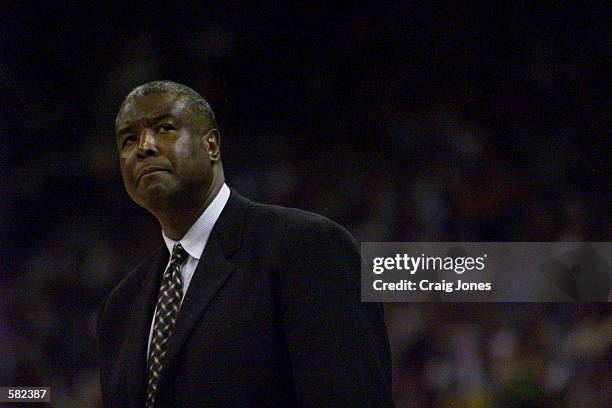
(168, 304)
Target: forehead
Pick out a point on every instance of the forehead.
(148, 107)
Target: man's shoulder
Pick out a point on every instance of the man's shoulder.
(292, 220)
(128, 287)
(296, 228)
(287, 215)
(133, 280)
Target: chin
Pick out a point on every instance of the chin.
(159, 197)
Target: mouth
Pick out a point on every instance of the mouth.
(149, 171)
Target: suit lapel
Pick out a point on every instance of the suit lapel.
(138, 335)
(213, 269)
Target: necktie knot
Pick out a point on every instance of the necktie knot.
(179, 254)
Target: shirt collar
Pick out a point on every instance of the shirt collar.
(196, 238)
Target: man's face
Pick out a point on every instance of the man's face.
(163, 150)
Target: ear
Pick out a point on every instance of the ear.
(213, 138)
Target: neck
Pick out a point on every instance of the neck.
(177, 221)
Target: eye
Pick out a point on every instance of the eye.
(165, 128)
(128, 139)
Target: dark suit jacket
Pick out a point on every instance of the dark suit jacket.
(272, 317)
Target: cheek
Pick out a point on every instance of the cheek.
(186, 159)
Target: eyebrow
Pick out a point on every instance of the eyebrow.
(153, 120)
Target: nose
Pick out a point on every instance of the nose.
(146, 144)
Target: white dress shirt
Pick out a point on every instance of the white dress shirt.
(194, 242)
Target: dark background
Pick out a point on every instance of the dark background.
(401, 123)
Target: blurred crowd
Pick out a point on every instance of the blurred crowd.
(401, 124)
(494, 355)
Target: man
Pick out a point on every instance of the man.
(246, 304)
